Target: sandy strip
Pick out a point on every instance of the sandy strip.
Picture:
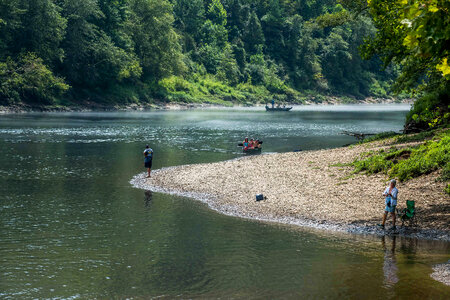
(307, 189)
(442, 273)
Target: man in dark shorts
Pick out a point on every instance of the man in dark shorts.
(148, 158)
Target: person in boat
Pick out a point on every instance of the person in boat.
(148, 159)
(246, 144)
(252, 144)
(258, 144)
(390, 194)
(273, 103)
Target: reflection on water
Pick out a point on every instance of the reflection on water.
(71, 226)
(148, 198)
(390, 264)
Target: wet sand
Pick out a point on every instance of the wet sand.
(309, 188)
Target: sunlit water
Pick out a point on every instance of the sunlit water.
(71, 225)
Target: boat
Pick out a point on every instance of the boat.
(278, 108)
(252, 151)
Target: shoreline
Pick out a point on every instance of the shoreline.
(234, 211)
(290, 200)
(92, 107)
(441, 273)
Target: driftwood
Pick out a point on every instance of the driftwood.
(358, 135)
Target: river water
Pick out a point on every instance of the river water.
(72, 226)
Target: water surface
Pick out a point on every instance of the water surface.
(71, 226)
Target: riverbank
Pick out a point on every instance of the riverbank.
(311, 188)
(87, 106)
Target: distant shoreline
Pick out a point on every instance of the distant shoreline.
(305, 189)
(93, 107)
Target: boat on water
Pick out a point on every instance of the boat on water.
(251, 151)
(278, 108)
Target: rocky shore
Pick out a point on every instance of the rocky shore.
(102, 108)
(310, 188)
(88, 106)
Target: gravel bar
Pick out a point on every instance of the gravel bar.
(310, 188)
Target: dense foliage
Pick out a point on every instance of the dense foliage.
(415, 34)
(411, 162)
(183, 50)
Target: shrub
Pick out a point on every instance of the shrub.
(424, 159)
(429, 111)
(373, 164)
(29, 80)
(408, 163)
(380, 136)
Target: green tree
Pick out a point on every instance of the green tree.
(92, 59)
(253, 34)
(155, 41)
(29, 80)
(273, 23)
(10, 24)
(415, 34)
(217, 13)
(115, 14)
(40, 30)
(189, 18)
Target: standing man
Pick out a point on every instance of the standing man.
(390, 193)
(273, 103)
(148, 157)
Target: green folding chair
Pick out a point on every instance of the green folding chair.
(408, 214)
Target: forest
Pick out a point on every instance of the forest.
(220, 51)
(182, 50)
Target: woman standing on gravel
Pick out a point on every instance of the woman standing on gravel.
(390, 193)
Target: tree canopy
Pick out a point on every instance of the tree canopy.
(415, 34)
(202, 50)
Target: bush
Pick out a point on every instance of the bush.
(373, 164)
(408, 163)
(380, 136)
(424, 159)
(429, 111)
(29, 80)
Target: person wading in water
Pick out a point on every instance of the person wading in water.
(148, 158)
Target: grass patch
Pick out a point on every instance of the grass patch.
(340, 165)
(424, 135)
(412, 162)
(424, 159)
(347, 177)
(341, 183)
(380, 136)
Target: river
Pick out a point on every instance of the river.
(72, 226)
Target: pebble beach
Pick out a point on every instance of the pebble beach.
(311, 188)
